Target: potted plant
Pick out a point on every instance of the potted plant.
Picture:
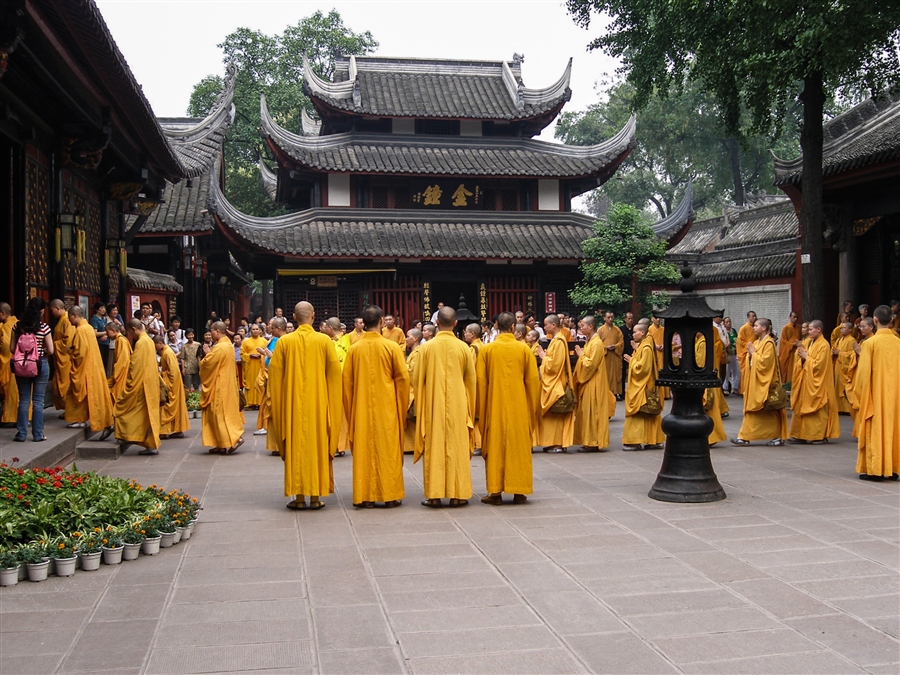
(166, 530)
(9, 568)
(151, 535)
(90, 546)
(65, 556)
(193, 403)
(37, 563)
(132, 540)
(113, 545)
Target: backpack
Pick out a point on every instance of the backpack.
(25, 358)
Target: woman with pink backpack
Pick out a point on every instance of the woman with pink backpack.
(31, 344)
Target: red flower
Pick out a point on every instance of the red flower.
(20, 496)
(24, 486)
(15, 460)
(41, 481)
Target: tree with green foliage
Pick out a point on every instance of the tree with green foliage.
(623, 259)
(752, 56)
(680, 138)
(272, 65)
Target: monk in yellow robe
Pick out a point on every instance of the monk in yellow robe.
(376, 400)
(555, 431)
(657, 332)
(356, 334)
(472, 336)
(87, 400)
(641, 428)
(877, 390)
(223, 421)
(277, 329)
(8, 384)
(746, 336)
(711, 405)
(592, 390)
(305, 391)
(813, 397)
(122, 359)
(413, 342)
(844, 362)
(173, 416)
(762, 375)
(787, 346)
(63, 333)
(136, 411)
(508, 401)
(445, 414)
(392, 332)
(614, 344)
(251, 362)
(866, 328)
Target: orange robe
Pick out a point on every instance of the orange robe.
(611, 335)
(63, 333)
(658, 335)
(844, 363)
(87, 399)
(715, 413)
(745, 336)
(593, 411)
(813, 398)
(223, 422)
(7, 378)
(556, 373)
(395, 334)
(137, 409)
(641, 428)
(120, 368)
(173, 416)
(762, 373)
(877, 389)
(787, 352)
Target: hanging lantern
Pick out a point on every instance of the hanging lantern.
(65, 234)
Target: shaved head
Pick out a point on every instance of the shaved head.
(552, 319)
(279, 323)
(5, 309)
(474, 329)
(75, 310)
(446, 318)
(590, 320)
(639, 331)
(334, 323)
(304, 312)
(135, 324)
(218, 325)
(56, 303)
(505, 321)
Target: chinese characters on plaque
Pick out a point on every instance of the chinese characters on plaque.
(447, 194)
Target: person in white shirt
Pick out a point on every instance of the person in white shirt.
(434, 316)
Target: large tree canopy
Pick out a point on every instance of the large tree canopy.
(758, 56)
(680, 138)
(272, 65)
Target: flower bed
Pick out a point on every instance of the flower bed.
(49, 513)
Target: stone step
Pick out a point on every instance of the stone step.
(107, 449)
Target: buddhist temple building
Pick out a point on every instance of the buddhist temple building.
(417, 181)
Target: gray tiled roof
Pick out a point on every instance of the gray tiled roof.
(146, 280)
(762, 225)
(868, 133)
(268, 179)
(447, 155)
(699, 237)
(382, 233)
(683, 215)
(761, 267)
(434, 88)
(184, 210)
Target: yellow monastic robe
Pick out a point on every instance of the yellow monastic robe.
(62, 376)
(251, 362)
(843, 384)
(715, 413)
(613, 336)
(445, 419)
(376, 398)
(787, 352)
(137, 411)
(475, 347)
(120, 368)
(877, 389)
(87, 399)
(342, 346)
(395, 334)
(556, 373)
(641, 428)
(409, 434)
(223, 422)
(592, 389)
(305, 394)
(173, 416)
(7, 378)
(566, 333)
(813, 398)
(759, 423)
(658, 335)
(262, 380)
(744, 337)
(509, 392)
(719, 366)
(354, 337)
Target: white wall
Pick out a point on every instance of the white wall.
(769, 302)
(548, 195)
(338, 189)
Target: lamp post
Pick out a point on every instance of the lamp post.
(464, 316)
(687, 475)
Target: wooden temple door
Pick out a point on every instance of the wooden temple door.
(401, 297)
(511, 294)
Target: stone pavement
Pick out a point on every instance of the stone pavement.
(796, 572)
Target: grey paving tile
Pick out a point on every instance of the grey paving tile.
(358, 627)
(246, 657)
(217, 612)
(623, 554)
(574, 613)
(37, 602)
(477, 641)
(721, 567)
(550, 662)
(828, 570)
(461, 550)
(806, 663)
(701, 623)
(886, 669)
(658, 603)
(886, 624)
(337, 589)
(879, 551)
(45, 620)
(543, 576)
(850, 637)
(466, 617)
(492, 596)
(385, 528)
(650, 583)
(736, 644)
(635, 567)
(869, 607)
(510, 549)
(242, 561)
(437, 582)
(288, 628)
(369, 542)
(210, 547)
(33, 664)
(57, 641)
(274, 590)
(387, 568)
(132, 640)
(618, 653)
(835, 589)
(208, 577)
(675, 541)
(132, 602)
(797, 556)
(381, 661)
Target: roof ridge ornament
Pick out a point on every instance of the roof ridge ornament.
(335, 90)
(513, 86)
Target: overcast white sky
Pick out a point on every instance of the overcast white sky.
(170, 45)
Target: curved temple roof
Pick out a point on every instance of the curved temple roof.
(390, 87)
(683, 215)
(268, 179)
(383, 233)
(446, 155)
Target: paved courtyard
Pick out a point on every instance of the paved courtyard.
(796, 572)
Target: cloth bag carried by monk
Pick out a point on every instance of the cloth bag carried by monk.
(565, 403)
(653, 406)
(777, 398)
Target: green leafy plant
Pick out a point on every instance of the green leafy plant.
(9, 559)
(132, 535)
(64, 547)
(30, 555)
(193, 400)
(112, 537)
